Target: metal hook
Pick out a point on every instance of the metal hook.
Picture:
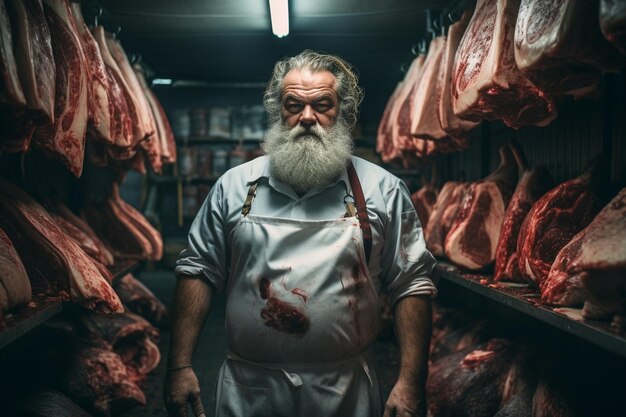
(415, 49)
(117, 32)
(403, 68)
(451, 17)
(423, 46)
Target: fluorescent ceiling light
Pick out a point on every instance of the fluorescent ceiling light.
(279, 14)
(162, 81)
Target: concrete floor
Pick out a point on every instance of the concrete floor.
(211, 351)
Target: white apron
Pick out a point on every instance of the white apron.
(301, 312)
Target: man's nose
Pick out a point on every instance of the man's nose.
(307, 117)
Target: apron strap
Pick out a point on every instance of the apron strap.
(247, 205)
(361, 212)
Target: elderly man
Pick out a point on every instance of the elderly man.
(303, 240)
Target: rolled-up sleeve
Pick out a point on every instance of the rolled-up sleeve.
(206, 250)
(406, 263)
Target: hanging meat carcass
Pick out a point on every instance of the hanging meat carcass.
(602, 261)
(424, 201)
(532, 184)
(63, 211)
(554, 219)
(11, 92)
(473, 238)
(424, 121)
(399, 126)
(64, 139)
(56, 265)
(613, 22)
(456, 128)
(100, 109)
(15, 287)
(553, 51)
(486, 83)
(384, 144)
(130, 125)
(443, 215)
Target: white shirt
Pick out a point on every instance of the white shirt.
(399, 259)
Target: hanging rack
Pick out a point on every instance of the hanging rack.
(96, 19)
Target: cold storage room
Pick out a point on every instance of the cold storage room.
(298, 208)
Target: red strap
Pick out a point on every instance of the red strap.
(361, 210)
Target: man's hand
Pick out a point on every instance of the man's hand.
(181, 389)
(406, 400)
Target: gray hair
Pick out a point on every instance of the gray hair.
(348, 90)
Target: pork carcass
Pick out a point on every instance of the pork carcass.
(14, 283)
(473, 237)
(553, 220)
(98, 380)
(64, 139)
(140, 300)
(532, 184)
(563, 287)
(456, 128)
(156, 145)
(33, 54)
(141, 223)
(126, 334)
(384, 144)
(613, 22)
(486, 83)
(56, 265)
(553, 51)
(424, 121)
(86, 243)
(443, 215)
(100, 109)
(602, 261)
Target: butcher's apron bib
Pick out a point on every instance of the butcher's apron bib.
(300, 315)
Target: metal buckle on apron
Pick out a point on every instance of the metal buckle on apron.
(348, 200)
(247, 205)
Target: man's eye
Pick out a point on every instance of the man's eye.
(322, 107)
(294, 107)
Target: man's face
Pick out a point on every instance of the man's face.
(309, 98)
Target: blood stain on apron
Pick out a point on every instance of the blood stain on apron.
(281, 315)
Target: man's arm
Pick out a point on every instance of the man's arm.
(413, 318)
(192, 301)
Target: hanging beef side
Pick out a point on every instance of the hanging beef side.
(562, 287)
(61, 209)
(602, 261)
(64, 139)
(553, 51)
(141, 223)
(56, 265)
(15, 287)
(11, 92)
(443, 215)
(140, 300)
(554, 219)
(473, 237)
(457, 128)
(532, 184)
(486, 83)
(613, 22)
(424, 201)
(100, 111)
(424, 121)
(384, 144)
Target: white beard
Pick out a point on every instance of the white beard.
(308, 158)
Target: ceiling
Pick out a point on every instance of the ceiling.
(230, 41)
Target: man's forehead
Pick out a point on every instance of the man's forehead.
(305, 81)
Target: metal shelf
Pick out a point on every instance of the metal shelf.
(526, 301)
(41, 310)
